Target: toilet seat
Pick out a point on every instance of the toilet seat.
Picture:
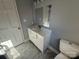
(61, 56)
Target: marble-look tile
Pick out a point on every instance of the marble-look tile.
(26, 51)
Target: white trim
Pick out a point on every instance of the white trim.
(53, 49)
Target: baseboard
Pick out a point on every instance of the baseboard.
(53, 49)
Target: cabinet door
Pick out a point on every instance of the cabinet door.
(32, 35)
(40, 42)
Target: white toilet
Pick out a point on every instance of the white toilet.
(68, 50)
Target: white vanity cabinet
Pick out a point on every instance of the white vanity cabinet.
(40, 38)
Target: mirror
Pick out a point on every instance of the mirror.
(39, 16)
(42, 15)
(46, 15)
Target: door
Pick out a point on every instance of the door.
(10, 27)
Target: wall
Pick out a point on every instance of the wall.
(64, 21)
(25, 13)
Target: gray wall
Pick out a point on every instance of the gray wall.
(64, 21)
(25, 12)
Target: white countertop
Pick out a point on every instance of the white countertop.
(37, 30)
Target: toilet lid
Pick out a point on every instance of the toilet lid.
(61, 56)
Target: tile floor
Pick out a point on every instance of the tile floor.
(26, 51)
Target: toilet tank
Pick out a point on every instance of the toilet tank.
(69, 49)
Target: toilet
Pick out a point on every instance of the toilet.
(68, 50)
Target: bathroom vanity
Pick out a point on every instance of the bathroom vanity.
(40, 37)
